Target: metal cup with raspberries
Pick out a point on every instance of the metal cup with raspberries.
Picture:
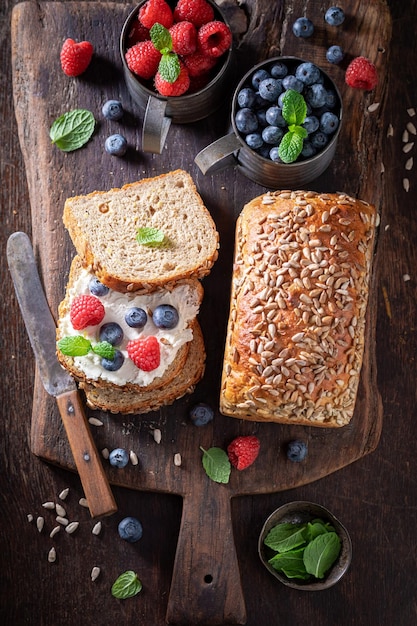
(286, 119)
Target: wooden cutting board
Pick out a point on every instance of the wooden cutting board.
(205, 585)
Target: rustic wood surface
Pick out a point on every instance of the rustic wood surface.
(375, 497)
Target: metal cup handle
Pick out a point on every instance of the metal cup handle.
(219, 154)
(155, 126)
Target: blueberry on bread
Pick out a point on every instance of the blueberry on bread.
(295, 336)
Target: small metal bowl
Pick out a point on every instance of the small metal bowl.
(299, 512)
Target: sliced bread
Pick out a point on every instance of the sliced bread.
(103, 226)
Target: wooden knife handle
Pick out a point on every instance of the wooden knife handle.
(86, 457)
(206, 587)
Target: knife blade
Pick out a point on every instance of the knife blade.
(41, 329)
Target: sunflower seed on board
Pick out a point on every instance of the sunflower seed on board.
(61, 520)
(52, 555)
(411, 112)
(83, 502)
(72, 527)
(157, 435)
(30, 517)
(54, 531)
(390, 131)
(411, 128)
(409, 164)
(60, 510)
(177, 459)
(48, 505)
(64, 493)
(95, 573)
(373, 107)
(133, 457)
(408, 147)
(40, 522)
(96, 529)
(105, 453)
(406, 184)
(406, 277)
(95, 422)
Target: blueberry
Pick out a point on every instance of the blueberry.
(119, 457)
(246, 98)
(274, 155)
(264, 150)
(292, 82)
(331, 98)
(114, 364)
(112, 110)
(201, 414)
(259, 76)
(334, 54)
(316, 95)
(112, 333)
(319, 139)
(334, 16)
(246, 121)
(279, 70)
(272, 134)
(165, 316)
(130, 529)
(270, 89)
(274, 117)
(329, 123)
(296, 451)
(136, 317)
(116, 145)
(261, 115)
(303, 27)
(97, 288)
(308, 150)
(308, 73)
(254, 140)
(311, 124)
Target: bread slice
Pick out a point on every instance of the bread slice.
(144, 401)
(103, 226)
(175, 343)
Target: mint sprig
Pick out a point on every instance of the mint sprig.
(294, 111)
(77, 345)
(216, 464)
(169, 65)
(148, 236)
(72, 130)
(126, 585)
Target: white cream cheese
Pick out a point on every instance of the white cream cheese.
(116, 304)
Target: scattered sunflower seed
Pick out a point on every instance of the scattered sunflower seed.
(177, 459)
(411, 128)
(390, 131)
(96, 528)
(52, 555)
(373, 107)
(406, 184)
(83, 502)
(54, 531)
(40, 523)
(60, 510)
(409, 163)
(157, 435)
(95, 422)
(408, 146)
(105, 453)
(72, 527)
(382, 168)
(62, 520)
(64, 493)
(30, 517)
(133, 458)
(405, 136)
(406, 277)
(411, 112)
(95, 573)
(48, 505)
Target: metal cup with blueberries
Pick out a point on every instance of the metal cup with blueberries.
(286, 118)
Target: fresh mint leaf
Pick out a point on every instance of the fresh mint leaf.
(286, 536)
(290, 147)
(321, 553)
(291, 564)
(216, 464)
(72, 129)
(147, 236)
(75, 345)
(126, 585)
(294, 107)
(314, 529)
(161, 38)
(169, 67)
(104, 349)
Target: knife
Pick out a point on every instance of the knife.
(41, 328)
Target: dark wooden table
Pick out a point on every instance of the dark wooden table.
(375, 497)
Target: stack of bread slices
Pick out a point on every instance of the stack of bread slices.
(124, 274)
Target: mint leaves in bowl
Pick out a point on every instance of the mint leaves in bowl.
(305, 546)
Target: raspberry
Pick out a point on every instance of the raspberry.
(86, 311)
(177, 88)
(75, 57)
(143, 59)
(137, 33)
(198, 12)
(214, 38)
(184, 38)
(145, 352)
(198, 63)
(361, 74)
(156, 11)
(243, 451)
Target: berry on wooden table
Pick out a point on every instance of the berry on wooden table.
(334, 16)
(75, 57)
(130, 529)
(243, 451)
(86, 311)
(296, 451)
(334, 54)
(112, 110)
(119, 458)
(116, 145)
(361, 74)
(303, 27)
(201, 414)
